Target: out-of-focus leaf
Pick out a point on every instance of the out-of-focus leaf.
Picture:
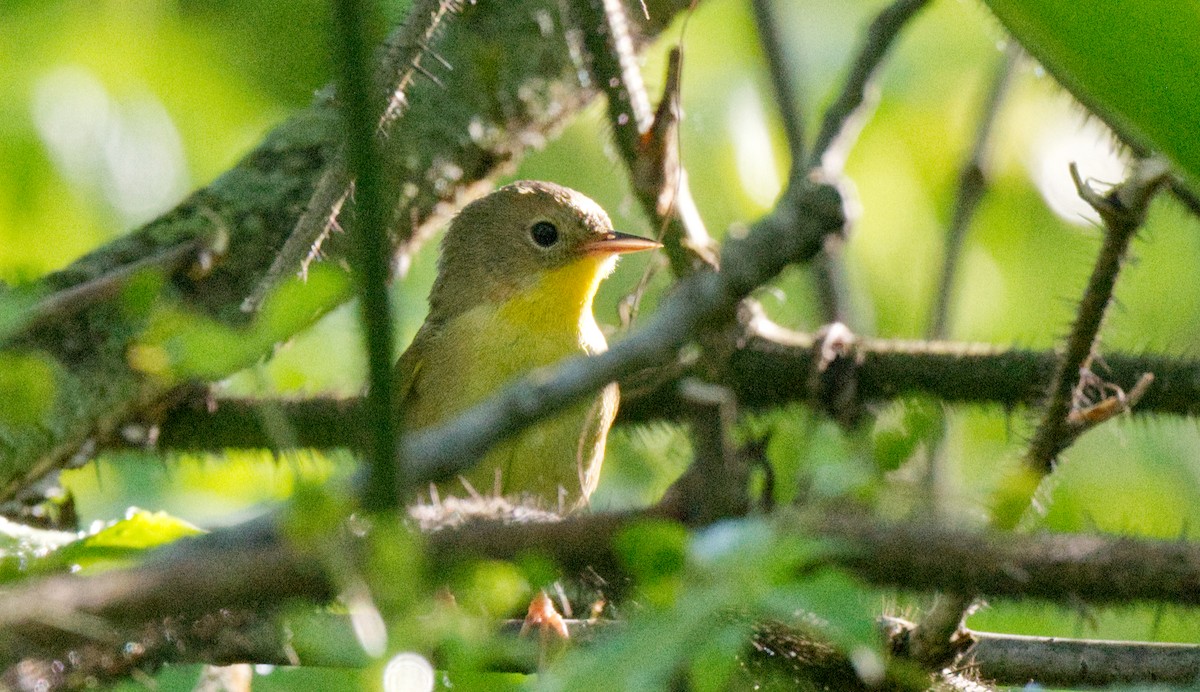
(1132, 63)
(182, 344)
(27, 388)
(25, 551)
(920, 423)
(736, 572)
(653, 552)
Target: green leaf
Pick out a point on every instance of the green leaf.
(1133, 63)
(25, 551)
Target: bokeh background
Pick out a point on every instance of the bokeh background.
(112, 110)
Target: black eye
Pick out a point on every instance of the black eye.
(544, 233)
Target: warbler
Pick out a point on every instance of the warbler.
(517, 275)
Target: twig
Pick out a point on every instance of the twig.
(879, 38)
(1186, 196)
(647, 141)
(934, 637)
(385, 487)
(1122, 210)
(839, 127)
(715, 485)
(972, 184)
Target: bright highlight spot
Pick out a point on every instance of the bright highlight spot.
(125, 149)
(1093, 149)
(752, 150)
(408, 672)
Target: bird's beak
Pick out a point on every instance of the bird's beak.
(620, 243)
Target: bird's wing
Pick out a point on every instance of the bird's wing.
(404, 379)
(410, 367)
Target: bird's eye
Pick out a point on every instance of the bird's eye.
(544, 233)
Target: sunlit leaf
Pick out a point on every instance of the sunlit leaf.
(26, 551)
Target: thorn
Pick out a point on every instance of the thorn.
(432, 77)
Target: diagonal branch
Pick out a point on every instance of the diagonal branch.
(880, 36)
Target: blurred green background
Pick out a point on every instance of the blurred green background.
(112, 110)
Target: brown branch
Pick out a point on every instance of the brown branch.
(1123, 210)
(647, 141)
(763, 372)
(1011, 659)
(251, 566)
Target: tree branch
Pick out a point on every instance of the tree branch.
(1123, 210)
(441, 163)
(764, 371)
(253, 566)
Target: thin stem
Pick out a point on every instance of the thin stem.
(385, 488)
(787, 94)
(972, 184)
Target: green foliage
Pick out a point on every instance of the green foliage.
(734, 574)
(180, 344)
(27, 388)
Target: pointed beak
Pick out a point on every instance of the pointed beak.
(620, 243)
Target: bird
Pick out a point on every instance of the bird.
(517, 275)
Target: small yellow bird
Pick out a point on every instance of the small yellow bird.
(518, 272)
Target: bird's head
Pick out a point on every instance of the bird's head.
(527, 236)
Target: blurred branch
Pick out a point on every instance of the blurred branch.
(437, 164)
(787, 95)
(648, 142)
(972, 184)
(880, 36)
(252, 566)
(1123, 210)
(221, 637)
(1011, 659)
(385, 487)
(1186, 196)
(933, 640)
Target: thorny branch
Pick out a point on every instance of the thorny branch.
(1122, 210)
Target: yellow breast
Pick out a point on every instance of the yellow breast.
(478, 352)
